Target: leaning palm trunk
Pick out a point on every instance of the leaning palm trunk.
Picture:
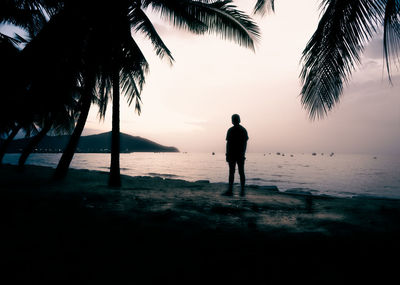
(32, 144)
(68, 154)
(6, 143)
(115, 176)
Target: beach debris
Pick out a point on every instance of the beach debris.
(314, 153)
(202, 181)
(269, 188)
(278, 153)
(213, 153)
(291, 155)
(300, 191)
(331, 154)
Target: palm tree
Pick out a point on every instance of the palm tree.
(13, 110)
(31, 16)
(197, 16)
(99, 58)
(8, 57)
(53, 77)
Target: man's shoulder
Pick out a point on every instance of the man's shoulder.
(236, 129)
(231, 129)
(244, 132)
(243, 129)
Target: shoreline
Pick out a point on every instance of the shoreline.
(375, 178)
(290, 191)
(155, 230)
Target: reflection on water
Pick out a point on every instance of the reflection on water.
(338, 175)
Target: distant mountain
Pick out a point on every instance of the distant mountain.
(93, 144)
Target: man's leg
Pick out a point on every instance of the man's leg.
(232, 165)
(242, 176)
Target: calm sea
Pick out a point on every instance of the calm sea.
(342, 175)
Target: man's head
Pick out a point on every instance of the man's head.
(235, 119)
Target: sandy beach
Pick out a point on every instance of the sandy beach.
(158, 231)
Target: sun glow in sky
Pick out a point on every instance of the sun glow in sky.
(189, 104)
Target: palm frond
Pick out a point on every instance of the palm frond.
(133, 71)
(334, 51)
(264, 6)
(133, 68)
(218, 17)
(32, 20)
(391, 34)
(223, 18)
(176, 12)
(143, 24)
(10, 43)
(102, 91)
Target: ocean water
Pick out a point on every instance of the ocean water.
(343, 175)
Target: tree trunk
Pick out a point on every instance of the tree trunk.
(115, 176)
(32, 144)
(6, 143)
(68, 154)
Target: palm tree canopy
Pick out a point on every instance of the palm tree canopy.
(127, 15)
(60, 54)
(95, 48)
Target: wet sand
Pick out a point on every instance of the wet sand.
(165, 231)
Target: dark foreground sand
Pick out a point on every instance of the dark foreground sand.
(156, 231)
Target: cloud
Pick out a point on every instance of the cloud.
(374, 50)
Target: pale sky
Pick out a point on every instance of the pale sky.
(189, 104)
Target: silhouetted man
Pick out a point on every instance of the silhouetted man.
(236, 143)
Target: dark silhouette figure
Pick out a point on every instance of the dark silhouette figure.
(236, 143)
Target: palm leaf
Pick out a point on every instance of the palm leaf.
(143, 24)
(263, 6)
(25, 14)
(134, 68)
(175, 12)
(334, 51)
(391, 34)
(220, 17)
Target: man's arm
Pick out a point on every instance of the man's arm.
(246, 138)
(227, 146)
